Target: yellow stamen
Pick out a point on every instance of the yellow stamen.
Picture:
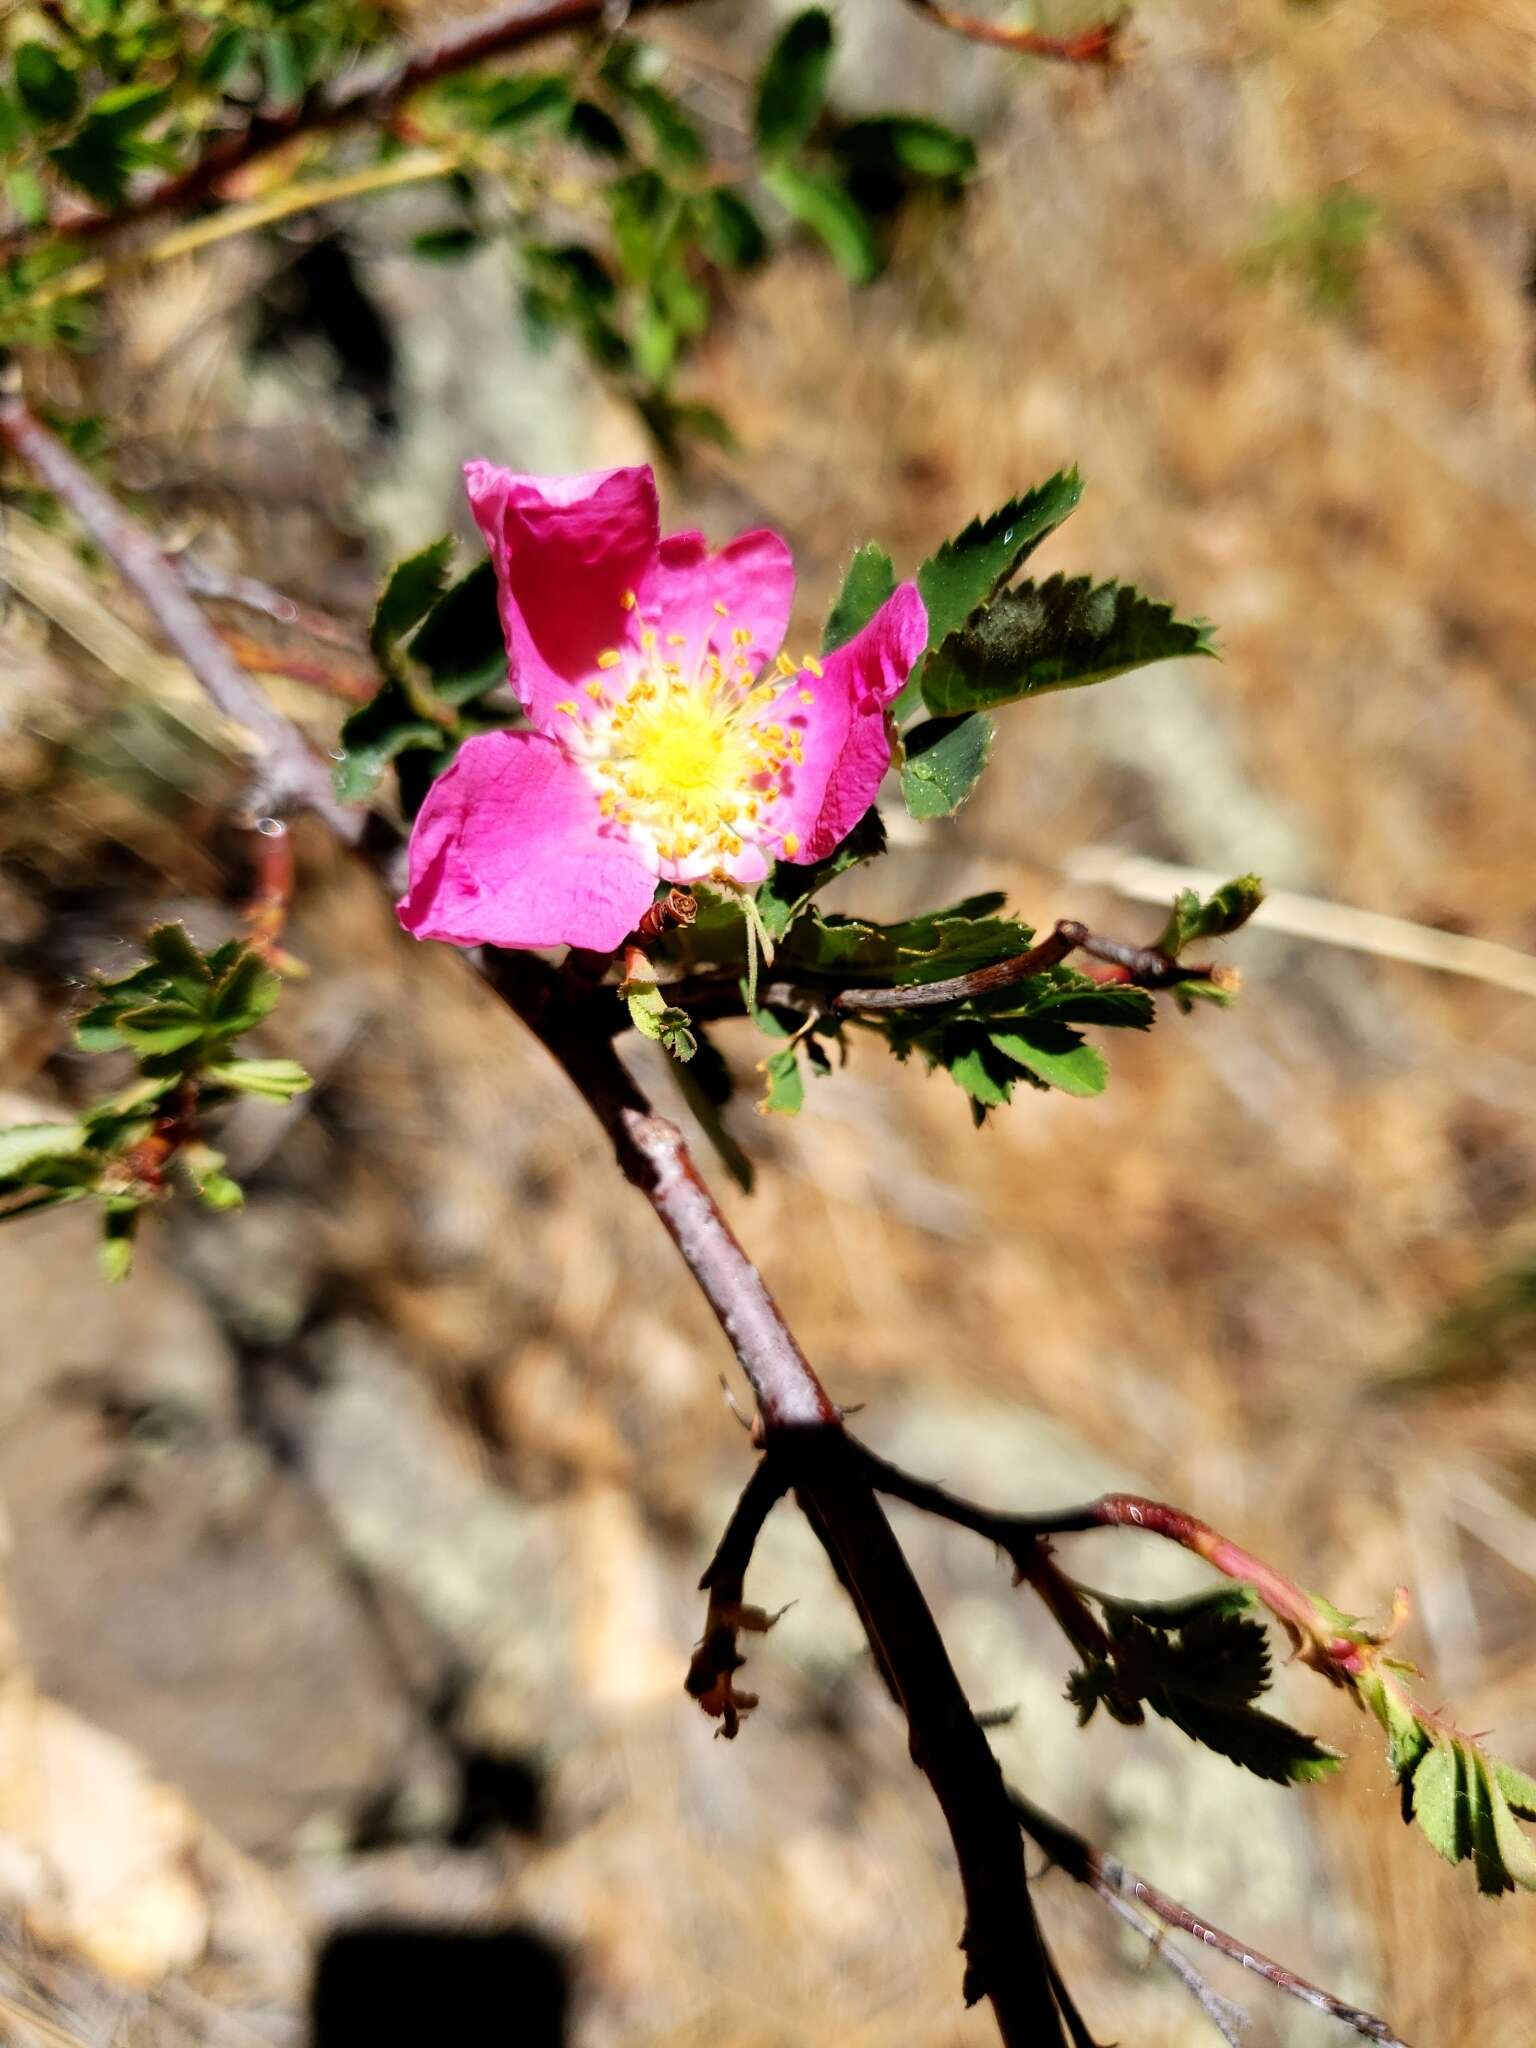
(723, 610)
(609, 658)
(812, 664)
(785, 666)
(791, 845)
(807, 696)
(571, 708)
(628, 600)
(595, 691)
(677, 639)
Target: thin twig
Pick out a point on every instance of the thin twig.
(207, 579)
(1095, 45)
(1141, 966)
(712, 1672)
(1314, 917)
(495, 33)
(289, 774)
(1113, 1881)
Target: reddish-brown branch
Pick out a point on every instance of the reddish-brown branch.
(711, 1676)
(803, 1435)
(289, 774)
(272, 877)
(1113, 1881)
(495, 33)
(1095, 45)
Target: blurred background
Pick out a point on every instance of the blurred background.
(349, 1578)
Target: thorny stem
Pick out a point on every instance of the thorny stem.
(1115, 1883)
(1095, 45)
(343, 104)
(289, 774)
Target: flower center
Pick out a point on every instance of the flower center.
(689, 746)
(685, 762)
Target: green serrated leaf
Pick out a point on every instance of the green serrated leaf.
(460, 642)
(244, 995)
(731, 230)
(97, 1030)
(870, 580)
(1216, 1602)
(944, 762)
(279, 1080)
(378, 733)
(161, 1027)
(819, 202)
(1064, 634)
(170, 947)
(974, 566)
(414, 586)
(906, 145)
(25, 1146)
(786, 1084)
(792, 85)
(1192, 921)
(47, 88)
(1437, 1803)
(1512, 1851)
(120, 1220)
(1517, 1788)
(792, 884)
(857, 952)
(1055, 1054)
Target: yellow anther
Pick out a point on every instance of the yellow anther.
(628, 600)
(791, 845)
(722, 609)
(742, 636)
(670, 668)
(785, 666)
(677, 639)
(567, 706)
(609, 658)
(595, 691)
(807, 696)
(812, 664)
(648, 639)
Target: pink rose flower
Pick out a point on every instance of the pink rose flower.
(663, 745)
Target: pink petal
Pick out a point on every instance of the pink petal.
(567, 550)
(751, 577)
(845, 737)
(510, 849)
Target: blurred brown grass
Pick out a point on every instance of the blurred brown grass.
(1231, 1278)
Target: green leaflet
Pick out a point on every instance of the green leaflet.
(944, 762)
(793, 84)
(1202, 1664)
(825, 206)
(1060, 635)
(870, 580)
(1192, 921)
(968, 570)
